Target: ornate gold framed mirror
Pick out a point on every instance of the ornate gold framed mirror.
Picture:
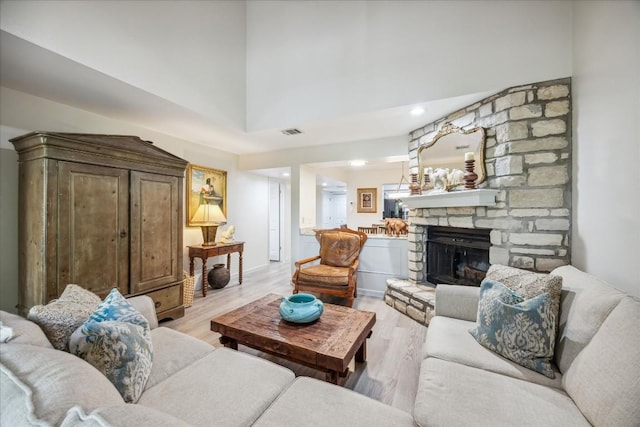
(448, 149)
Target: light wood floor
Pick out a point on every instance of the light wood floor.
(393, 351)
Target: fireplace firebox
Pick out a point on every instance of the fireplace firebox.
(456, 256)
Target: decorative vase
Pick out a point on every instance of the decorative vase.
(301, 308)
(218, 276)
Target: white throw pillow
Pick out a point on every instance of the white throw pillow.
(61, 317)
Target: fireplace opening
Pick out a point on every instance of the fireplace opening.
(457, 256)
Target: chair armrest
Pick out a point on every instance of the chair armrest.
(145, 305)
(459, 302)
(306, 261)
(353, 267)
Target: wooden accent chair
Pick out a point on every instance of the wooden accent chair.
(337, 272)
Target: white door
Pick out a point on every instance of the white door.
(274, 221)
(326, 209)
(334, 209)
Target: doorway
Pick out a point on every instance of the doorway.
(334, 209)
(275, 220)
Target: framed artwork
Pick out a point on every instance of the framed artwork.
(206, 187)
(367, 200)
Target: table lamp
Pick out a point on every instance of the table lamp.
(209, 217)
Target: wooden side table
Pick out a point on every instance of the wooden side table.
(205, 252)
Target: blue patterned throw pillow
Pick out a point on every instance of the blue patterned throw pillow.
(523, 331)
(116, 339)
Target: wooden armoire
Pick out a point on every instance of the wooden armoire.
(102, 212)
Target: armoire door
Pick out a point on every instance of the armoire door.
(93, 228)
(155, 223)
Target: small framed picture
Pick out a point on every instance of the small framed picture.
(367, 200)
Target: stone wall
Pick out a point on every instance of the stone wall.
(527, 158)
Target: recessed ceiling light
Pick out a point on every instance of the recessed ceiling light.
(324, 184)
(417, 111)
(357, 163)
(285, 174)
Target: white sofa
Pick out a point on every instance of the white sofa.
(597, 364)
(191, 384)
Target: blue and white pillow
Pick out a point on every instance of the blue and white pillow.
(116, 340)
(523, 331)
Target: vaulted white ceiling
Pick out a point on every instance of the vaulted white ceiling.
(233, 74)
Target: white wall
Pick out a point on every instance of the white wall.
(204, 72)
(371, 148)
(368, 179)
(21, 113)
(606, 150)
(307, 204)
(381, 54)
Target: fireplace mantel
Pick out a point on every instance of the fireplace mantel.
(481, 197)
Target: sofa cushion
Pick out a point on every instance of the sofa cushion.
(233, 389)
(146, 306)
(120, 415)
(331, 406)
(586, 302)
(61, 317)
(49, 382)
(449, 339)
(24, 331)
(116, 340)
(457, 301)
(604, 379)
(520, 330)
(172, 352)
(450, 394)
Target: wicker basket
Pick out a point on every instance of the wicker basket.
(188, 288)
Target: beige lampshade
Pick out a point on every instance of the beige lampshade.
(209, 217)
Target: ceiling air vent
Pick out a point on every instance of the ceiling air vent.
(292, 131)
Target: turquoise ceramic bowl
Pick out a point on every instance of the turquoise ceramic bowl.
(301, 308)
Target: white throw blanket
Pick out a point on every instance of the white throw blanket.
(6, 333)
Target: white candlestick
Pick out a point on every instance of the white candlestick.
(469, 156)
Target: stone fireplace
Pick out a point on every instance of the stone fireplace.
(528, 165)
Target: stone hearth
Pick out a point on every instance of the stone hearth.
(414, 300)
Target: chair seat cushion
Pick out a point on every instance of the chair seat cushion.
(323, 275)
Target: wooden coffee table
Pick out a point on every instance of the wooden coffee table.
(328, 344)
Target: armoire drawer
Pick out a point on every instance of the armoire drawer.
(167, 298)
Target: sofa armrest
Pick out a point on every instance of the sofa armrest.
(145, 305)
(459, 302)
